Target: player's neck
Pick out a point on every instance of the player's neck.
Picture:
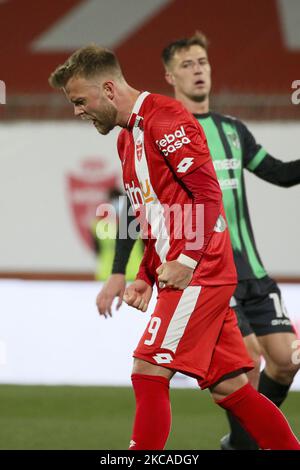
(126, 99)
(194, 107)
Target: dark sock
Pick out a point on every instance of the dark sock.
(262, 419)
(275, 391)
(239, 438)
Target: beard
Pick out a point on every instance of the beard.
(106, 120)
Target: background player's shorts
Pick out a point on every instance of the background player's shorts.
(259, 308)
(195, 332)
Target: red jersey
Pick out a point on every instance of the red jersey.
(162, 144)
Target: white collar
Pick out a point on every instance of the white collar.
(136, 107)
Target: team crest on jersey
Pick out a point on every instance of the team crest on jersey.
(139, 149)
(234, 139)
(220, 224)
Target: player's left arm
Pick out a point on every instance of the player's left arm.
(265, 166)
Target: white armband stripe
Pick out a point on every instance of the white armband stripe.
(187, 261)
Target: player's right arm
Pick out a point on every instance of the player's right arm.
(139, 293)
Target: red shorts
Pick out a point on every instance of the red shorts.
(195, 332)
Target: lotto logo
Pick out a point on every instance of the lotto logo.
(132, 444)
(185, 164)
(172, 142)
(163, 358)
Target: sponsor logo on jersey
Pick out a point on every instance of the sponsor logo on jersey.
(141, 195)
(228, 164)
(172, 142)
(229, 183)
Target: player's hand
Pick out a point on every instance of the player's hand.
(174, 274)
(114, 286)
(138, 295)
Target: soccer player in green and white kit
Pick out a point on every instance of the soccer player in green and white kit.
(263, 321)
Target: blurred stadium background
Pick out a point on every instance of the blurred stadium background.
(55, 171)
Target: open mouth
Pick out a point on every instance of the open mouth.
(200, 82)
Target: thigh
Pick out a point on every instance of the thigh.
(279, 347)
(230, 356)
(146, 368)
(185, 328)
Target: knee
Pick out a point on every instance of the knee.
(227, 387)
(282, 370)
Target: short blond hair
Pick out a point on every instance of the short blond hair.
(86, 62)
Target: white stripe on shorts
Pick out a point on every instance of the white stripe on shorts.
(181, 317)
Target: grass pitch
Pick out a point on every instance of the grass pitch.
(40, 417)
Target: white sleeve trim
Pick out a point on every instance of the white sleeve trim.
(187, 261)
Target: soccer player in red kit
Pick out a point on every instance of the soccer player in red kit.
(166, 164)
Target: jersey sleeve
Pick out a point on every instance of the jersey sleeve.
(253, 153)
(284, 174)
(180, 139)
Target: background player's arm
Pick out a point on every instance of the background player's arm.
(116, 283)
(123, 245)
(285, 174)
(263, 165)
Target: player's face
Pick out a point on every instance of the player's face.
(91, 103)
(190, 74)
